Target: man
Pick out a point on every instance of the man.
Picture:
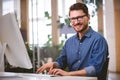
(84, 53)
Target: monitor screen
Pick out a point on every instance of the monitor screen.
(16, 53)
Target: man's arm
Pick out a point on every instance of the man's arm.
(78, 73)
(65, 73)
(87, 71)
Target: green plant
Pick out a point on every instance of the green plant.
(98, 2)
(61, 24)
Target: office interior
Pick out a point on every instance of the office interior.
(108, 17)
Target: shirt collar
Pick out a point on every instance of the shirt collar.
(88, 33)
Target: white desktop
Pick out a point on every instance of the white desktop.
(15, 50)
(31, 76)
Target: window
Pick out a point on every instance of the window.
(39, 31)
(63, 10)
(6, 9)
(37, 21)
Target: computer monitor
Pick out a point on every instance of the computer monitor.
(16, 53)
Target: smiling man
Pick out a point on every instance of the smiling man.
(84, 53)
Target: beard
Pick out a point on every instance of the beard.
(84, 27)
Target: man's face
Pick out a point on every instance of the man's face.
(79, 20)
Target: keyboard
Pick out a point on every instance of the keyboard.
(36, 75)
(12, 74)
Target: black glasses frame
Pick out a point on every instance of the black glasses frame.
(77, 18)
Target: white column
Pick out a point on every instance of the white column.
(79, 1)
(109, 31)
(55, 29)
(0, 7)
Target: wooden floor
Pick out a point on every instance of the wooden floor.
(113, 76)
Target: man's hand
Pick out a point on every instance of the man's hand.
(59, 72)
(47, 66)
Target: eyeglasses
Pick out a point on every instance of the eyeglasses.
(77, 18)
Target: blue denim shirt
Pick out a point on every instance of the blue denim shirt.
(89, 53)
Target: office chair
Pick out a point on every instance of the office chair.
(104, 72)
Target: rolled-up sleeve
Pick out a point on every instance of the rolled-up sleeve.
(90, 70)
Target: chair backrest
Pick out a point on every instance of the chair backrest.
(104, 72)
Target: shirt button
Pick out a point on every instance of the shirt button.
(79, 61)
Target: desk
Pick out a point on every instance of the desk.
(24, 76)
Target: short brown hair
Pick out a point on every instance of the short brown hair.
(79, 6)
